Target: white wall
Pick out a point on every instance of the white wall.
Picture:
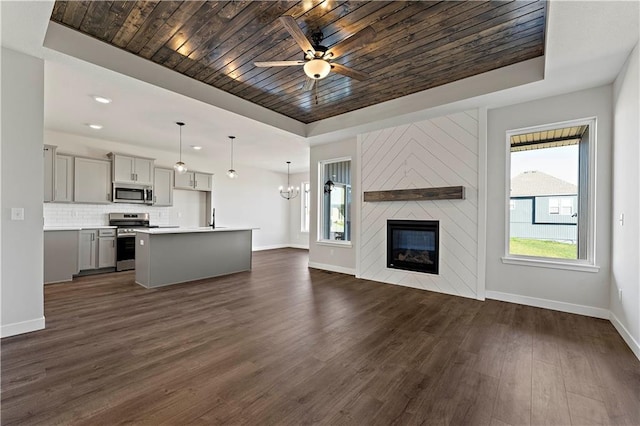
(625, 244)
(582, 292)
(438, 152)
(250, 200)
(22, 186)
(333, 257)
(297, 238)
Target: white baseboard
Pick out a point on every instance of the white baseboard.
(628, 338)
(299, 246)
(333, 268)
(554, 305)
(279, 246)
(22, 327)
(270, 247)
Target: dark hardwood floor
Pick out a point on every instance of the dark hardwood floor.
(284, 344)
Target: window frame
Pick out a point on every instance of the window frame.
(305, 207)
(585, 265)
(321, 207)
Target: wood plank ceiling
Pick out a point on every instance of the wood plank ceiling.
(418, 45)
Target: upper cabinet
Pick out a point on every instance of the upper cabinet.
(163, 187)
(92, 181)
(128, 169)
(194, 180)
(49, 154)
(63, 178)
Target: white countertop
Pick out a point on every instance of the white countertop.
(77, 228)
(154, 231)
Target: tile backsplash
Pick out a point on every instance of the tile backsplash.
(59, 214)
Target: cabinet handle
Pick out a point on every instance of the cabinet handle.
(113, 243)
(108, 197)
(195, 183)
(136, 175)
(132, 178)
(155, 199)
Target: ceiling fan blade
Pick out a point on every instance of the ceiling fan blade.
(358, 39)
(349, 72)
(278, 63)
(292, 27)
(308, 85)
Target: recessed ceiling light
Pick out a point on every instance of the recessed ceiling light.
(196, 147)
(102, 99)
(95, 126)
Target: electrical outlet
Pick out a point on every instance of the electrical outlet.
(620, 295)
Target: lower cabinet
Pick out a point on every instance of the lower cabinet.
(97, 249)
(60, 255)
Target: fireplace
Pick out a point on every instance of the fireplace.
(413, 245)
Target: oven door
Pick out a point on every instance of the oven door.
(126, 253)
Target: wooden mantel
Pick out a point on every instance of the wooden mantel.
(416, 194)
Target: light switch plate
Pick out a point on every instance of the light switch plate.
(17, 213)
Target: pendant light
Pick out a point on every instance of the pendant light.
(291, 192)
(231, 172)
(180, 167)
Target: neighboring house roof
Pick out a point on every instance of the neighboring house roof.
(536, 183)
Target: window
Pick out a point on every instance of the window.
(551, 170)
(306, 199)
(335, 205)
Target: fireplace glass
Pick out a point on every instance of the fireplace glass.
(413, 245)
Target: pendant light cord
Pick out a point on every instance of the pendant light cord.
(180, 143)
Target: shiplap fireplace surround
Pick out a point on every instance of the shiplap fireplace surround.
(396, 164)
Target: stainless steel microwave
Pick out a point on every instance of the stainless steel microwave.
(136, 194)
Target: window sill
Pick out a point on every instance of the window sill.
(553, 264)
(336, 243)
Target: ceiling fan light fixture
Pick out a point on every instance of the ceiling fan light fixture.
(317, 69)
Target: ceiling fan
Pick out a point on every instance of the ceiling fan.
(317, 58)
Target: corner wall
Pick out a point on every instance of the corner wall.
(338, 258)
(625, 246)
(22, 187)
(586, 293)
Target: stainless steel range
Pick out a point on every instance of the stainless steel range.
(127, 224)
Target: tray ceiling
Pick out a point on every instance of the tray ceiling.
(418, 45)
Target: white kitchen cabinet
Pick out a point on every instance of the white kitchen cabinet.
(106, 248)
(194, 180)
(49, 154)
(128, 169)
(163, 187)
(202, 181)
(88, 249)
(63, 178)
(92, 181)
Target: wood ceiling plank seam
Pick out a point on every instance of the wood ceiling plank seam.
(249, 46)
(537, 15)
(286, 49)
(409, 48)
(232, 31)
(207, 12)
(94, 17)
(292, 84)
(386, 29)
(172, 27)
(74, 13)
(138, 15)
(214, 36)
(117, 15)
(248, 32)
(471, 60)
(154, 22)
(57, 14)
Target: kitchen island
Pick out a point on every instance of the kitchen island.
(166, 256)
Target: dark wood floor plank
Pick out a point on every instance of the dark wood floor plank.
(285, 344)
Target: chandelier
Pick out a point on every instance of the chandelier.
(290, 191)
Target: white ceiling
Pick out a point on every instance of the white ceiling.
(587, 44)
